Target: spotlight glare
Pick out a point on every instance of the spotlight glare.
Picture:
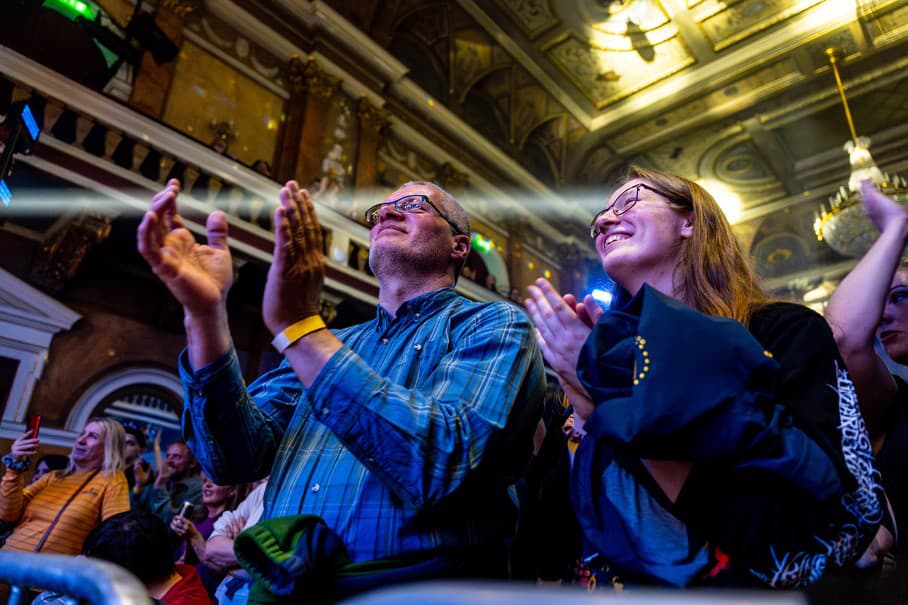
(603, 297)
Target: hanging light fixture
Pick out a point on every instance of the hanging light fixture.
(844, 225)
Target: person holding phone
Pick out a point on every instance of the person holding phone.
(56, 513)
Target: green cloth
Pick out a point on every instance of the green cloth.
(289, 555)
(296, 559)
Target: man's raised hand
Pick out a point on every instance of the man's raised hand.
(198, 275)
(295, 279)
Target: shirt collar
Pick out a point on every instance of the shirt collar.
(417, 306)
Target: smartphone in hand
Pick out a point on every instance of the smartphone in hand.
(34, 423)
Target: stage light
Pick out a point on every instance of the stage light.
(20, 121)
(31, 125)
(72, 9)
(5, 194)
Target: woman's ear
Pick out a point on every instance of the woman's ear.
(687, 226)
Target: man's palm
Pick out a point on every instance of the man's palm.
(198, 275)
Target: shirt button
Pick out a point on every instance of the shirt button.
(384, 341)
(416, 315)
(315, 488)
(418, 347)
(325, 411)
(371, 460)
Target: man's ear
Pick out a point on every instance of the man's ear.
(461, 248)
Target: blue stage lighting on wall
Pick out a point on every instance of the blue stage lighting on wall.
(6, 195)
(31, 125)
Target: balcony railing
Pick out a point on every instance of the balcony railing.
(99, 144)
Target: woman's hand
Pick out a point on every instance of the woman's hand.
(184, 528)
(235, 526)
(562, 326)
(884, 212)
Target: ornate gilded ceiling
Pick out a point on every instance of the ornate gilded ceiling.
(738, 94)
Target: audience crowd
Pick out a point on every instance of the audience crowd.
(695, 433)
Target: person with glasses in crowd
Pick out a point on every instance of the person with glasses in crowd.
(723, 440)
(403, 433)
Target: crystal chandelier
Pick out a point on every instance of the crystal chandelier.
(845, 226)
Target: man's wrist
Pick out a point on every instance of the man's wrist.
(296, 331)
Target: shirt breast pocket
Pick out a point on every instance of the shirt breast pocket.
(426, 355)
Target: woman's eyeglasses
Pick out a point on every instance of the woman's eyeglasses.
(626, 200)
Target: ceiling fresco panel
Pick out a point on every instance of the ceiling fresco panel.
(595, 166)
(530, 111)
(884, 25)
(739, 163)
(684, 154)
(745, 19)
(622, 17)
(775, 75)
(428, 24)
(535, 17)
(607, 75)
(473, 58)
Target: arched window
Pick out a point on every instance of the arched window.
(150, 398)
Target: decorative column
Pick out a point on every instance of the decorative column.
(300, 145)
(152, 81)
(372, 128)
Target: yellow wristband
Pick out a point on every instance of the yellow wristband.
(296, 331)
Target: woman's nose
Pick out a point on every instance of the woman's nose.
(606, 218)
(887, 317)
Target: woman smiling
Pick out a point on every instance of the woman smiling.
(723, 442)
(56, 513)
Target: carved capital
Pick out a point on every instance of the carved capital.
(370, 117)
(450, 178)
(63, 253)
(307, 76)
(181, 8)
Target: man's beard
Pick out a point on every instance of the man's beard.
(395, 261)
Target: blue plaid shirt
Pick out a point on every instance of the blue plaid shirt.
(406, 441)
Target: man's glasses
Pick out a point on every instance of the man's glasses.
(408, 203)
(626, 200)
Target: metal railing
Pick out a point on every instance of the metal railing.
(446, 592)
(79, 578)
